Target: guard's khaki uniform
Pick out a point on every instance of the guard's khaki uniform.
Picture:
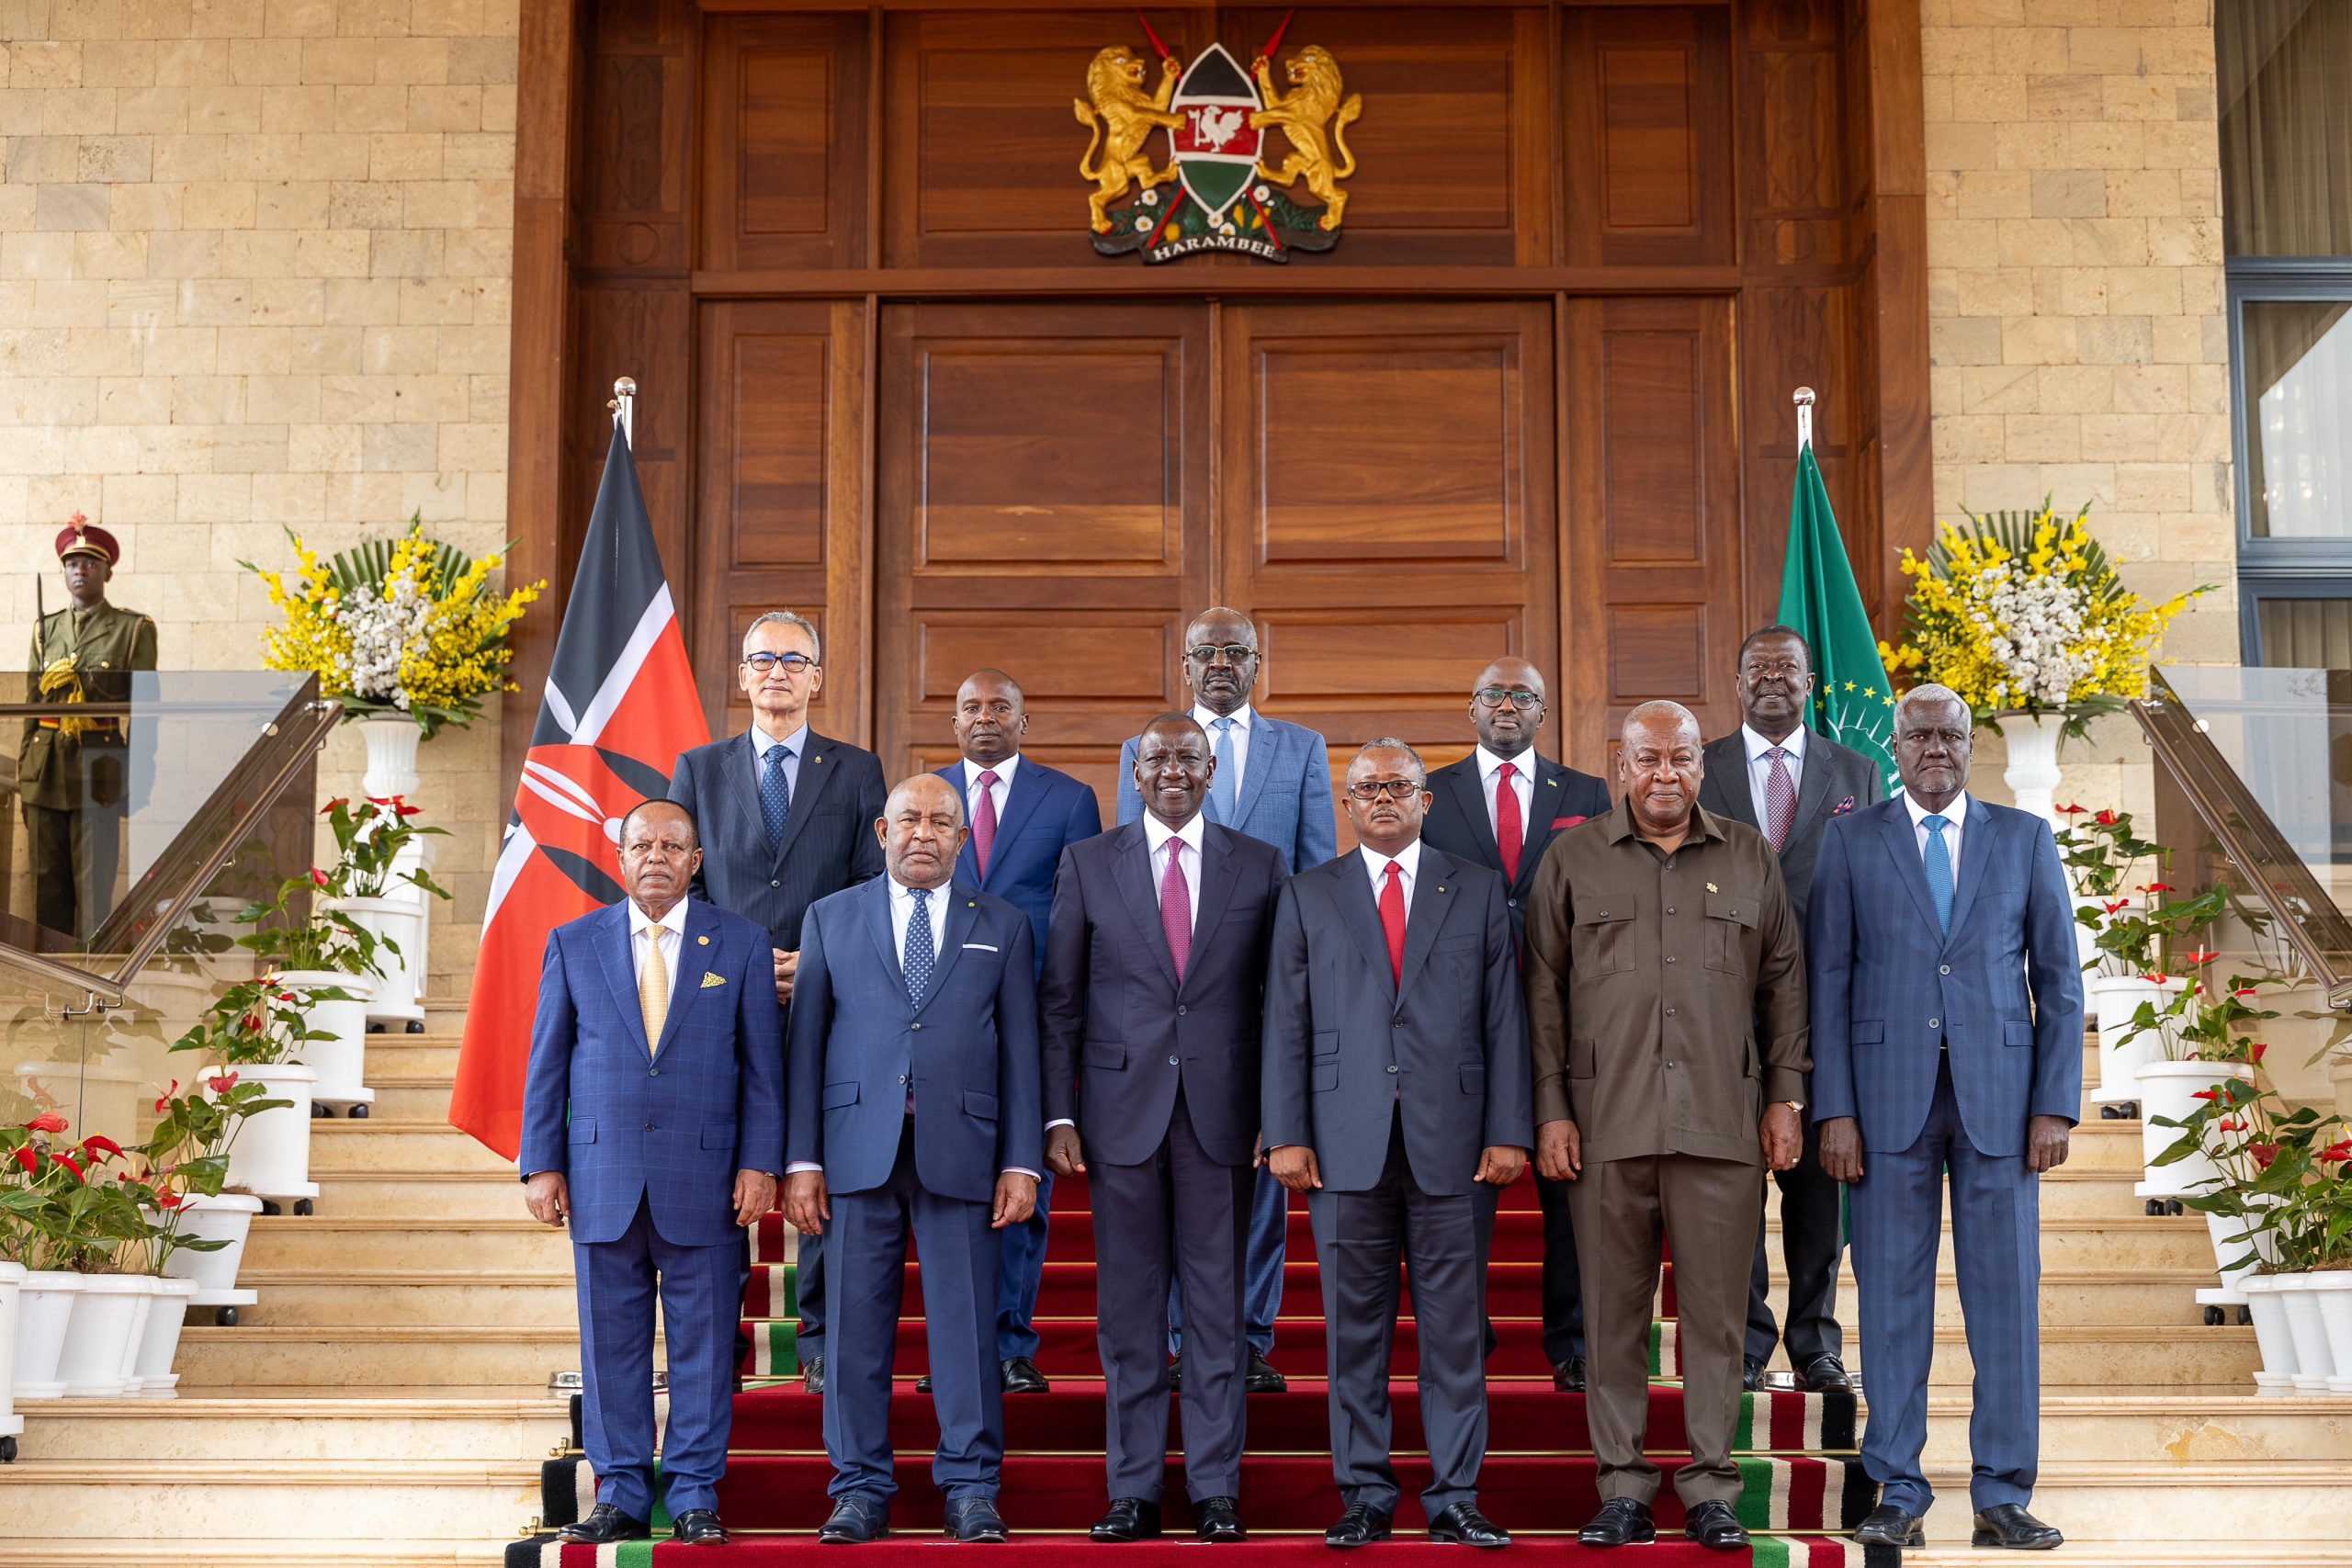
(74, 774)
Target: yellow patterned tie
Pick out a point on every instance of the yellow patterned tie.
(653, 989)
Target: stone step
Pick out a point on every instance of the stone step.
(398, 1244)
(180, 1552)
(415, 1055)
(2284, 1500)
(421, 1194)
(328, 1297)
(518, 1425)
(407, 1096)
(381, 1143)
(418, 1499)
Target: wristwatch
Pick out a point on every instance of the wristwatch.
(1796, 1105)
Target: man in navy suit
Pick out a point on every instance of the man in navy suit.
(1273, 783)
(1023, 814)
(1152, 1006)
(915, 1008)
(1500, 808)
(653, 1122)
(1947, 1036)
(784, 816)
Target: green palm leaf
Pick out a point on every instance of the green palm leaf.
(366, 565)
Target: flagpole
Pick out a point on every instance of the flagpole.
(623, 406)
(1803, 400)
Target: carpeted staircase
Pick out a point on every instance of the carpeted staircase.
(1796, 1451)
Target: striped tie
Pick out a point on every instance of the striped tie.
(653, 989)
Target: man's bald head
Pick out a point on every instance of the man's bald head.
(921, 829)
(1504, 726)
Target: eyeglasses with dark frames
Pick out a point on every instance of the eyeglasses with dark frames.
(1234, 653)
(792, 663)
(1496, 696)
(1369, 790)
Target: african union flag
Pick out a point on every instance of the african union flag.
(1853, 702)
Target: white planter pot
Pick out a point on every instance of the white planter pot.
(101, 1336)
(392, 754)
(271, 1154)
(401, 922)
(2170, 1089)
(2332, 1289)
(340, 1062)
(151, 1364)
(2232, 1258)
(12, 1281)
(2276, 1341)
(2313, 1365)
(225, 1218)
(2032, 774)
(143, 1316)
(2118, 999)
(45, 1310)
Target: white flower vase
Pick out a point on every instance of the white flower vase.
(271, 1155)
(398, 918)
(341, 1060)
(160, 1345)
(229, 1218)
(2313, 1366)
(2170, 1089)
(2032, 774)
(2276, 1340)
(2332, 1289)
(2232, 1255)
(44, 1309)
(2118, 998)
(12, 1281)
(391, 740)
(96, 1360)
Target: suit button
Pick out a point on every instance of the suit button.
(1180, 1010)
(652, 1072)
(1669, 908)
(1943, 968)
(776, 884)
(1935, 1023)
(649, 1127)
(1512, 902)
(1670, 1012)
(1395, 1023)
(1671, 1065)
(917, 1024)
(1172, 1061)
(1392, 1067)
(1669, 958)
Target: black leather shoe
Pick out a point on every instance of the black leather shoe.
(812, 1377)
(922, 1383)
(1714, 1526)
(2008, 1525)
(1887, 1525)
(855, 1521)
(1824, 1374)
(1569, 1376)
(605, 1525)
(974, 1519)
(1463, 1525)
(698, 1526)
(1360, 1524)
(1750, 1369)
(1130, 1519)
(1218, 1520)
(1263, 1379)
(1620, 1522)
(1021, 1376)
(1176, 1370)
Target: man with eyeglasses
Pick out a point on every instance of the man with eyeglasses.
(1398, 1098)
(1501, 806)
(1273, 783)
(786, 817)
(1789, 784)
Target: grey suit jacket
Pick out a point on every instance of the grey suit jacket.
(1836, 782)
(1346, 1045)
(829, 841)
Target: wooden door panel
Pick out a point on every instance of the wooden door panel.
(780, 504)
(783, 182)
(1043, 506)
(1649, 110)
(1651, 580)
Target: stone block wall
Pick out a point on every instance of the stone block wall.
(256, 267)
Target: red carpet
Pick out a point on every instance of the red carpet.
(911, 1550)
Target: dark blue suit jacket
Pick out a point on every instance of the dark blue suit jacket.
(1457, 820)
(1285, 797)
(829, 841)
(1045, 811)
(621, 1120)
(970, 1050)
(2001, 992)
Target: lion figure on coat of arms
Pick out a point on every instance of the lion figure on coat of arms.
(1314, 120)
(1122, 117)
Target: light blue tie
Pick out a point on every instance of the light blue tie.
(1221, 787)
(1938, 866)
(775, 798)
(919, 959)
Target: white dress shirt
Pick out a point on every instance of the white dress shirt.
(764, 753)
(1408, 862)
(1522, 784)
(670, 931)
(972, 772)
(1157, 836)
(1760, 769)
(1955, 814)
(1238, 738)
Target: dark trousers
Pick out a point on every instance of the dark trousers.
(1025, 1271)
(1444, 1240)
(75, 855)
(701, 1293)
(866, 1289)
(1812, 1241)
(1562, 1289)
(1707, 1209)
(1178, 1215)
(1261, 1285)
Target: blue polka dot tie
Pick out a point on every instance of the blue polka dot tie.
(775, 798)
(919, 959)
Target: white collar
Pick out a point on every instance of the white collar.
(1758, 745)
(905, 890)
(673, 922)
(1489, 763)
(1408, 860)
(1004, 770)
(1241, 717)
(1157, 833)
(797, 743)
(1955, 813)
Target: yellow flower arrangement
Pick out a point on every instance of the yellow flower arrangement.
(2022, 613)
(400, 625)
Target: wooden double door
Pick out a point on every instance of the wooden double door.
(1396, 491)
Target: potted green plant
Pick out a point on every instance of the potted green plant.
(2200, 1030)
(43, 1170)
(199, 1228)
(380, 885)
(2106, 860)
(2140, 940)
(249, 1035)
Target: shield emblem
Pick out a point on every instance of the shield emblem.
(1216, 150)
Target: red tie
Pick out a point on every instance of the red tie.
(1176, 908)
(984, 822)
(1392, 921)
(1510, 834)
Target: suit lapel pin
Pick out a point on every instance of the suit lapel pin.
(702, 941)
(1712, 888)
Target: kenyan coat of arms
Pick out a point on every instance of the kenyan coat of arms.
(1221, 191)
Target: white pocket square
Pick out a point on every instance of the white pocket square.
(980, 947)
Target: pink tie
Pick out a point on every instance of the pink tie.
(1510, 831)
(984, 822)
(1779, 798)
(1176, 908)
